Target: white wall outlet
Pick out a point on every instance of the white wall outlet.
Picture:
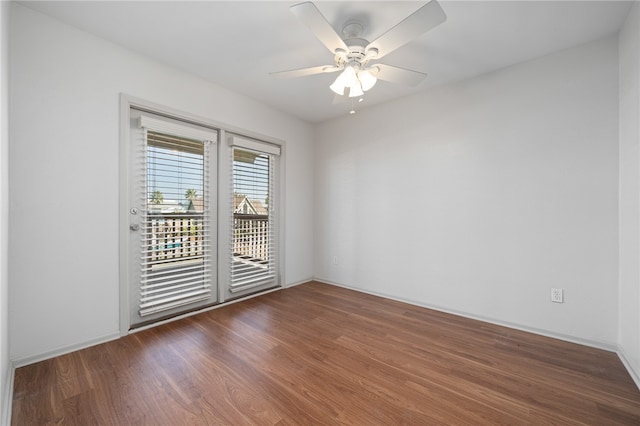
(557, 295)
(335, 260)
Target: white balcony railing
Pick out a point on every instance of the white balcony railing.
(181, 237)
(251, 237)
(174, 236)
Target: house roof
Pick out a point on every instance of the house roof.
(195, 204)
(252, 206)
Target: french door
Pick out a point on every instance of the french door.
(254, 225)
(172, 217)
(203, 217)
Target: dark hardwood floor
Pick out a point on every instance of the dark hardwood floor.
(319, 354)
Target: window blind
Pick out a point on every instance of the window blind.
(176, 247)
(253, 228)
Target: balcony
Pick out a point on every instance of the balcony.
(252, 251)
(251, 237)
(179, 237)
(172, 238)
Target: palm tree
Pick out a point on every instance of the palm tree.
(157, 197)
(191, 194)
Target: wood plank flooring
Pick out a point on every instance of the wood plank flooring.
(319, 354)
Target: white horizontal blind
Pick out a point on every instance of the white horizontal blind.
(253, 227)
(176, 247)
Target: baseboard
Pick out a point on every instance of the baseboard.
(632, 372)
(21, 362)
(7, 402)
(572, 339)
(298, 283)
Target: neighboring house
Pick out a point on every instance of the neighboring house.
(243, 205)
(194, 205)
(166, 207)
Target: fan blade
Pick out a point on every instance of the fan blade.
(309, 14)
(399, 75)
(419, 22)
(305, 71)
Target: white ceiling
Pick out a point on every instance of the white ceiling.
(237, 44)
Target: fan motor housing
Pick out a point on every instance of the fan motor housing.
(356, 52)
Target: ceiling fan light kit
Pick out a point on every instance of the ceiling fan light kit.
(355, 79)
(367, 78)
(352, 54)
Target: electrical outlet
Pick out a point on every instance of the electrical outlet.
(335, 260)
(557, 295)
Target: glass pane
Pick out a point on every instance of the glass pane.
(174, 237)
(252, 231)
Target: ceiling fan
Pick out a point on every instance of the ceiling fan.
(356, 57)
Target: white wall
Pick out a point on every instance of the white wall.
(5, 366)
(480, 196)
(65, 174)
(629, 327)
